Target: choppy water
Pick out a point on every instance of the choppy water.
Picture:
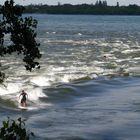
(88, 84)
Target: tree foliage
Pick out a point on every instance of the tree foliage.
(15, 130)
(22, 34)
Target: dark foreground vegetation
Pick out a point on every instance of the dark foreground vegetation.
(22, 36)
(15, 130)
(99, 8)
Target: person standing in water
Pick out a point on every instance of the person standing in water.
(23, 99)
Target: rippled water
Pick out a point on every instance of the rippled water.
(88, 84)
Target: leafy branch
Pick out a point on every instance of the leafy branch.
(15, 130)
(22, 34)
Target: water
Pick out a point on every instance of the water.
(88, 84)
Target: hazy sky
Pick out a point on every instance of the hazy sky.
(54, 2)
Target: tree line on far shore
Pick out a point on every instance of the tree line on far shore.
(99, 8)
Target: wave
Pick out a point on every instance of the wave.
(10, 93)
(70, 60)
(40, 81)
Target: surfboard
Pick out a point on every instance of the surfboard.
(22, 107)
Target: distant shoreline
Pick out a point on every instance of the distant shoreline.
(83, 9)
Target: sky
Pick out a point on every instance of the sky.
(55, 2)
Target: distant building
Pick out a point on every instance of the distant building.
(118, 5)
(101, 3)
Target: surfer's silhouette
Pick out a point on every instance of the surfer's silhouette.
(23, 99)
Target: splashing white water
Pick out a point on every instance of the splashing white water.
(40, 81)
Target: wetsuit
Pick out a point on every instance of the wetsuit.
(23, 97)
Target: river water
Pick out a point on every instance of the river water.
(88, 86)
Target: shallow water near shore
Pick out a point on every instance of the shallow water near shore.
(88, 84)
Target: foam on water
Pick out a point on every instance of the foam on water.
(33, 99)
(129, 51)
(10, 88)
(35, 94)
(11, 91)
(77, 51)
(40, 81)
(79, 34)
(69, 60)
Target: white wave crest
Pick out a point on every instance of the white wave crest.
(10, 88)
(35, 94)
(40, 81)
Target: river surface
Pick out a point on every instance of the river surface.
(88, 86)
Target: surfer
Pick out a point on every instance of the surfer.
(23, 99)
